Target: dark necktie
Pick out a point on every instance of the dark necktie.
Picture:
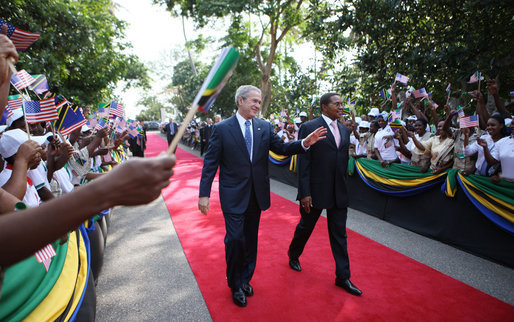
(248, 138)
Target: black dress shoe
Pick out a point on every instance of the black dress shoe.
(295, 264)
(348, 286)
(239, 298)
(247, 289)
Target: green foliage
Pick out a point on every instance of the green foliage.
(152, 109)
(80, 49)
(433, 42)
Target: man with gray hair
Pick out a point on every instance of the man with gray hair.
(240, 146)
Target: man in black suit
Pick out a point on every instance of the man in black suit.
(170, 129)
(240, 147)
(205, 134)
(322, 173)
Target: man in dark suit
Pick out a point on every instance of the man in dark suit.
(205, 134)
(170, 129)
(322, 173)
(240, 146)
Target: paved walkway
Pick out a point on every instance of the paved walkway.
(146, 276)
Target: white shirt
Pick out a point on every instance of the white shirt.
(384, 143)
(31, 198)
(329, 121)
(474, 147)
(360, 149)
(63, 177)
(505, 154)
(39, 177)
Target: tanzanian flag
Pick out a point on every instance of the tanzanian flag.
(70, 119)
(217, 78)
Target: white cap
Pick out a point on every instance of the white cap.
(297, 120)
(358, 120)
(42, 140)
(374, 112)
(364, 124)
(16, 114)
(85, 128)
(10, 142)
(507, 122)
(2, 128)
(385, 114)
(302, 114)
(412, 117)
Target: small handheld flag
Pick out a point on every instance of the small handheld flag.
(70, 119)
(401, 79)
(211, 87)
(475, 78)
(21, 80)
(116, 109)
(420, 93)
(395, 125)
(21, 39)
(40, 111)
(40, 84)
(468, 121)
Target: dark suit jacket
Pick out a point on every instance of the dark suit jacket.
(322, 170)
(227, 149)
(205, 132)
(167, 129)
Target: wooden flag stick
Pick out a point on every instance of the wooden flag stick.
(182, 129)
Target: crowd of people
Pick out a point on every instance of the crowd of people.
(52, 186)
(419, 137)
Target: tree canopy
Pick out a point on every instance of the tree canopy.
(81, 48)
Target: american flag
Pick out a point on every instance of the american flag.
(92, 123)
(20, 38)
(419, 93)
(102, 122)
(21, 80)
(434, 104)
(402, 79)
(133, 132)
(475, 78)
(103, 112)
(44, 255)
(122, 126)
(40, 111)
(14, 102)
(116, 109)
(468, 121)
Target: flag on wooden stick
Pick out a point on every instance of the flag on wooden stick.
(21, 39)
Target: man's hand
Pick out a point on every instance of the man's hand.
(306, 203)
(315, 136)
(203, 204)
(29, 152)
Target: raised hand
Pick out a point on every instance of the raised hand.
(315, 136)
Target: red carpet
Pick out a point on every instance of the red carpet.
(396, 288)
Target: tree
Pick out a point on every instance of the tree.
(433, 42)
(277, 18)
(80, 49)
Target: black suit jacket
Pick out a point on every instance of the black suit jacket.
(205, 132)
(227, 150)
(322, 170)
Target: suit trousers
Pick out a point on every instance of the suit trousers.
(241, 243)
(336, 218)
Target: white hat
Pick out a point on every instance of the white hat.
(302, 114)
(43, 139)
(374, 112)
(10, 142)
(16, 114)
(2, 128)
(297, 120)
(358, 120)
(85, 128)
(364, 124)
(507, 122)
(412, 117)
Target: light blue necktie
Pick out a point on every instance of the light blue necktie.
(248, 138)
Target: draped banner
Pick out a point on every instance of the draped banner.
(279, 159)
(397, 179)
(494, 200)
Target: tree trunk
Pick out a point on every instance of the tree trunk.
(267, 93)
